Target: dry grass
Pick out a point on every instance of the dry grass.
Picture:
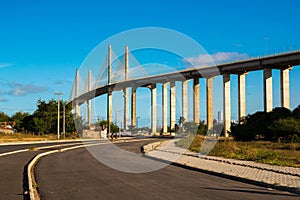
(18, 137)
(283, 154)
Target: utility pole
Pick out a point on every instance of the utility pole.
(137, 121)
(64, 121)
(58, 116)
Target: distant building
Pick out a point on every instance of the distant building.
(220, 116)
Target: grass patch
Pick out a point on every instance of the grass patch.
(17, 137)
(282, 154)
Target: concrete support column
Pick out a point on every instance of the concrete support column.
(133, 106)
(153, 108)
(126, 103)
(209, 103)
(172, 105)
(196, 99)
(77, 107)
(226, 103)
(242, 96)
(109, 110)
(89, 105)
(165, 107)
(268, 94)
(126, 108)
(185, 99)
(109, 92)
(285, 87)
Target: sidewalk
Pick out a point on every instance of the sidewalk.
(286, 178)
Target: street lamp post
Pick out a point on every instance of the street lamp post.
(58, 116)
(64, 121)
(266, 39)
(137, 121)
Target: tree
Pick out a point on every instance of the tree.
(268, 125)
(113, 127)
(284, 128)
(296, 112)
(190, 127)
(4, 117)
(19, 117)
(40, 125)
(78, 123)
(202, 129)
(44, 118)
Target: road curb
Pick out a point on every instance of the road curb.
(32, 185)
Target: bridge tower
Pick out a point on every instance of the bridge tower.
(109, 92)
(125, 91)
(89, 105)
(77, 107)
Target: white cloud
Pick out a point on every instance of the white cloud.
(216, 58)
(2, 99)
(3, 65)
(18, 89)
(62, 82)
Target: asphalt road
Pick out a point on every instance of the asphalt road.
(13, 179)
(11, 176)
(78, 175)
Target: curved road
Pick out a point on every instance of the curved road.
(13, 179)
(78, 175)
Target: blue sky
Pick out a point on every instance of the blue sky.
(43, 42)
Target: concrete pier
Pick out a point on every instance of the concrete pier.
(209, 103)
(133, 106)
(285, 87)
(242, 96)
(185, 108)
(268, 92)
(153, 109)
(165, 107)
(172, 105)
(226, 103)
(196, 101)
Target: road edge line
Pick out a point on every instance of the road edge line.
(33, 193)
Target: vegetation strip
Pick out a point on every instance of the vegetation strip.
(47, 141)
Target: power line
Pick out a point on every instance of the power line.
(17, 109)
